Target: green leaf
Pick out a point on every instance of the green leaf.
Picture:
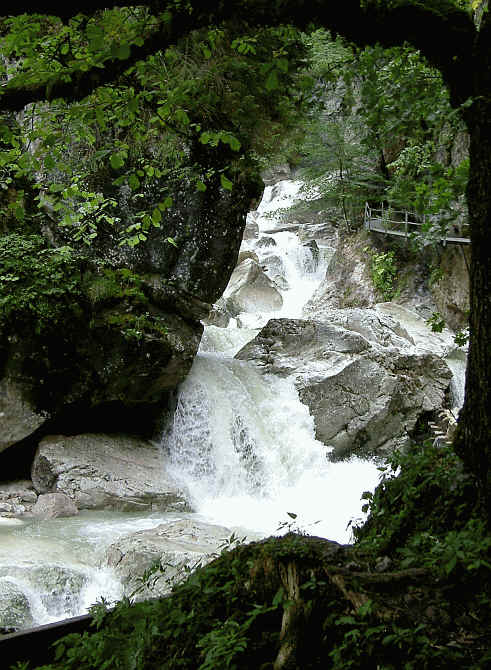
(122, 52)
(200, 186)
(117, 161)
(134, 182)
(225, 182)
(156, 216)
(165, 204)
(57, 188)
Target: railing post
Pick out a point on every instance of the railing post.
(405, 224)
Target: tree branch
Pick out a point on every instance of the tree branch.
(444, 33)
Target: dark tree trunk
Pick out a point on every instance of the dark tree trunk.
(473, 439)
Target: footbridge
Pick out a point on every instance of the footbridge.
(401, 223)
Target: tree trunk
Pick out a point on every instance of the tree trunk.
(473, 439)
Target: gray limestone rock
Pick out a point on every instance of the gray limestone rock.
(275, 269)
(176, 547)
(53, 505)
(364, 382)
(251, 290)
(106, 472)
(17, 418)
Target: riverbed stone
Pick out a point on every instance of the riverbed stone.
(100, 471)
(175, 548)
(364, 392)
(274, 267)
(251, 290)
(54, 505)
(57, 586)
(17, 498)
(15, 610)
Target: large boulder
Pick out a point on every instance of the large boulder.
(365, 389)
(173, 549)
(274, 267)
(97, 337)
(106, 472)
(54, 505)
(251, 290)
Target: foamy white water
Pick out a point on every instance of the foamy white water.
(242, 444)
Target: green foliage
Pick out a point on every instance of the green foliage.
(39, 287)
(430, 497)
(436, 322)
(383, 271)
(368, 643)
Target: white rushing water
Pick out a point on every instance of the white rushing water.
(242, 443)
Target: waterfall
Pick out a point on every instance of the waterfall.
(241, 443)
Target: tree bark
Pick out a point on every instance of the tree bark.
(473, 439)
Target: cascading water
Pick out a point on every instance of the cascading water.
(242, 443)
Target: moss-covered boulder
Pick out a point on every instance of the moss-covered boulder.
(97, 337)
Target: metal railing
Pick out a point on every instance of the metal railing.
(401, 223)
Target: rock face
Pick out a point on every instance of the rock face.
(106, 472)
(118, 328)
(347, 282)
(54, 505)
(17, 418)
(177, 546)
(360, 375)
(251, 290)
(451, 291)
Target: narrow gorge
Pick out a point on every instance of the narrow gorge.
(292, 403)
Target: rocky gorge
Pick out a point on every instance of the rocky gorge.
(299, 382)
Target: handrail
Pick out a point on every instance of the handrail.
(384, 224)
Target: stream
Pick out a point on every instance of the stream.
(241, 444)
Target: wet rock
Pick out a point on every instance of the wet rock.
(218, 317)
(15, 610)
(247, 253)
(251, 230)
(58, 587)
(17, 498)
(347, 282)
(275, 269)
(53, 505)
(106, 472)
(18, 418)
(312, 260)
(266, 242)
(275, 174)
(251, 290)
(364, 392)
(176, 547)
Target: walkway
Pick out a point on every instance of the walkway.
(380, 221)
